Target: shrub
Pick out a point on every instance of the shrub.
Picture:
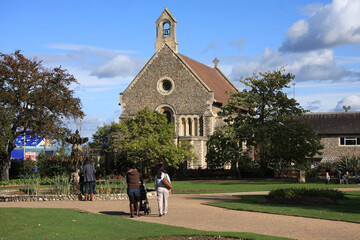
(22, 168)
(329, 167)
(12, 182)
(51, 167)
(350, 164)
(287, 193)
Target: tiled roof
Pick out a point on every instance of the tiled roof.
(334, 123)
(212, 78)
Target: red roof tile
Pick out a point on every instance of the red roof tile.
(212, 78)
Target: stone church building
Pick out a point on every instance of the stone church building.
(188, 92)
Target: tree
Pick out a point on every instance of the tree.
(224, 147)
(147, 140)
(102, 140)
(271, 124)
(33, 100)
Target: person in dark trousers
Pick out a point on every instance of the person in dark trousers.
(81, 182)
(133, 180)
(89, 179)
(346, 178)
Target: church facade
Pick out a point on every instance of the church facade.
(188, 92)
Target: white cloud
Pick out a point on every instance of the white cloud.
(314, 65)
(120, 65)
(212, 46)
(87, 80)
(89, 125)
(313, 106)
(238, 43)
(95, 61)
(330, 25)
(297, 30)
(353, 101)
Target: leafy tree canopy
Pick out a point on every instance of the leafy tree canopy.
(33, 99)
(270, 126)
(225, 147)
(145, 140)
(103, 136)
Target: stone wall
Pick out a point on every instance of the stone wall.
(188, 99)
(65, 197)
(332, 148)
(189, 96)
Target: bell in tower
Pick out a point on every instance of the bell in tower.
(166, 31)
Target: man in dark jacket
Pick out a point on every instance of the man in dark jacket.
(133, 182)
(89, 179)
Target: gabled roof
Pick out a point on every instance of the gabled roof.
(167, 12)
(334, 123)
(213, 78)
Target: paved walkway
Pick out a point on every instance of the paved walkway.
(187, 210)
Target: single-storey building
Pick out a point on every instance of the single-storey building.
(339, 131)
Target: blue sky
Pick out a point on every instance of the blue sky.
(104, 44)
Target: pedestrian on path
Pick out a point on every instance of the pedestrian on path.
(89, 179)
(327, 178)
(133, 180)
(162, 187)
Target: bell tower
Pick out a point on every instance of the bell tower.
(166, 31)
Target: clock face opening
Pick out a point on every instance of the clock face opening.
(165, 86)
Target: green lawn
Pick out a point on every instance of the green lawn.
(346, 210)
(25, 223)
(69, 224)
(226, 186)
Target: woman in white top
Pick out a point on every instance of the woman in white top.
(162, 191)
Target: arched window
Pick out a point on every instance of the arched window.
(168, 116)
(190, 126)
(196, 126)
(168, 112)
(183, 127)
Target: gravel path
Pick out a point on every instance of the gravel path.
(187, 210)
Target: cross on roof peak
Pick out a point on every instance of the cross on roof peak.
(216, 61)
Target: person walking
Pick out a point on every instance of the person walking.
(133, 180)
(327, 178)
(346, 178)
(162, 190)
(89, 179)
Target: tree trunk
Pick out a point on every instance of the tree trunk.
(235, 168)
(4, 169)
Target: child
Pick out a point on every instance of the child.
(327, 178)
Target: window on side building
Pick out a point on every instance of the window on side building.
(349, 141)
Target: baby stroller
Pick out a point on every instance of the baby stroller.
(144, 203)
